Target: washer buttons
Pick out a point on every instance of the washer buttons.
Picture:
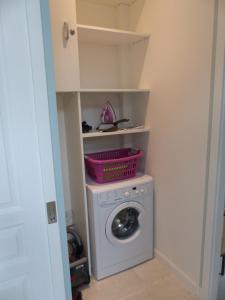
(126, 194)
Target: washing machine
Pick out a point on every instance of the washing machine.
(121, 224)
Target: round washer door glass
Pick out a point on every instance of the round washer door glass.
(125, 223)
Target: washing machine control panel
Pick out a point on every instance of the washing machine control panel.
(134, 192)
(123, 194)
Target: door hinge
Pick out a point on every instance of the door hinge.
(52, 213)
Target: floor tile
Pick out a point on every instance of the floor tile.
(114, 287)
(170, 288)
(149, 281)
(142, 295)
(152, 272)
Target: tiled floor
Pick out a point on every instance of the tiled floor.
(149, 281)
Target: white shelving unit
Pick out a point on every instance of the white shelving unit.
(97, 59)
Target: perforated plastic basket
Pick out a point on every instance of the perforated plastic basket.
(112, 165)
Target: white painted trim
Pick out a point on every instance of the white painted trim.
(216, 191)
(37, 61)
(187, 281)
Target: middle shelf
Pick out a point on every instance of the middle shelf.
(114, 133)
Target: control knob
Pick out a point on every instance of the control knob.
(126, 194)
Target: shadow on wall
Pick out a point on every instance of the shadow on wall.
(137, 12)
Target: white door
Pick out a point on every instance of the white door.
(30, 255)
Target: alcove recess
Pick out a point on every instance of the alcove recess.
(111, 52)
(109, 56)
(126, 105)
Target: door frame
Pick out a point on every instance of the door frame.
(49, 149)
(61, 245)
(215, 182)
(45, 94)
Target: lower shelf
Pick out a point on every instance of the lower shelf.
(78, 262)
(119, 132)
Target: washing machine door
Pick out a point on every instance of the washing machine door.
(125, 222)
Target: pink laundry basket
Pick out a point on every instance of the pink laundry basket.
(112, 165)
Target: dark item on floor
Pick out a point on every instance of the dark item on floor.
(75, 245)
(110, 127)
(223, 250)
(85, 127)
(79, 273)
(77, 295)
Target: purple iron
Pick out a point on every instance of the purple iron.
(108, 115)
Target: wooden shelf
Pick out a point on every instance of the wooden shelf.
(112, 3)
(114, 90)
(108, 36)
(119, 132)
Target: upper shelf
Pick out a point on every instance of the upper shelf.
(114, 90)
(108, 36)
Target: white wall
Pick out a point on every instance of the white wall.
(88, 13)
(178, 68)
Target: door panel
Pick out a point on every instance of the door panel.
(11, 241)
(15, 287)
(5, 188)
(25, 265)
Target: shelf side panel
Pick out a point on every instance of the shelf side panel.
(65, 52)
(75, 166)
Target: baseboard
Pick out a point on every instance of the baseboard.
(186, 280)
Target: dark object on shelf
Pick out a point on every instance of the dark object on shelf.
(76, 295)
(79, 273)
(85, 127)
(109, 127)
(75, 245)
